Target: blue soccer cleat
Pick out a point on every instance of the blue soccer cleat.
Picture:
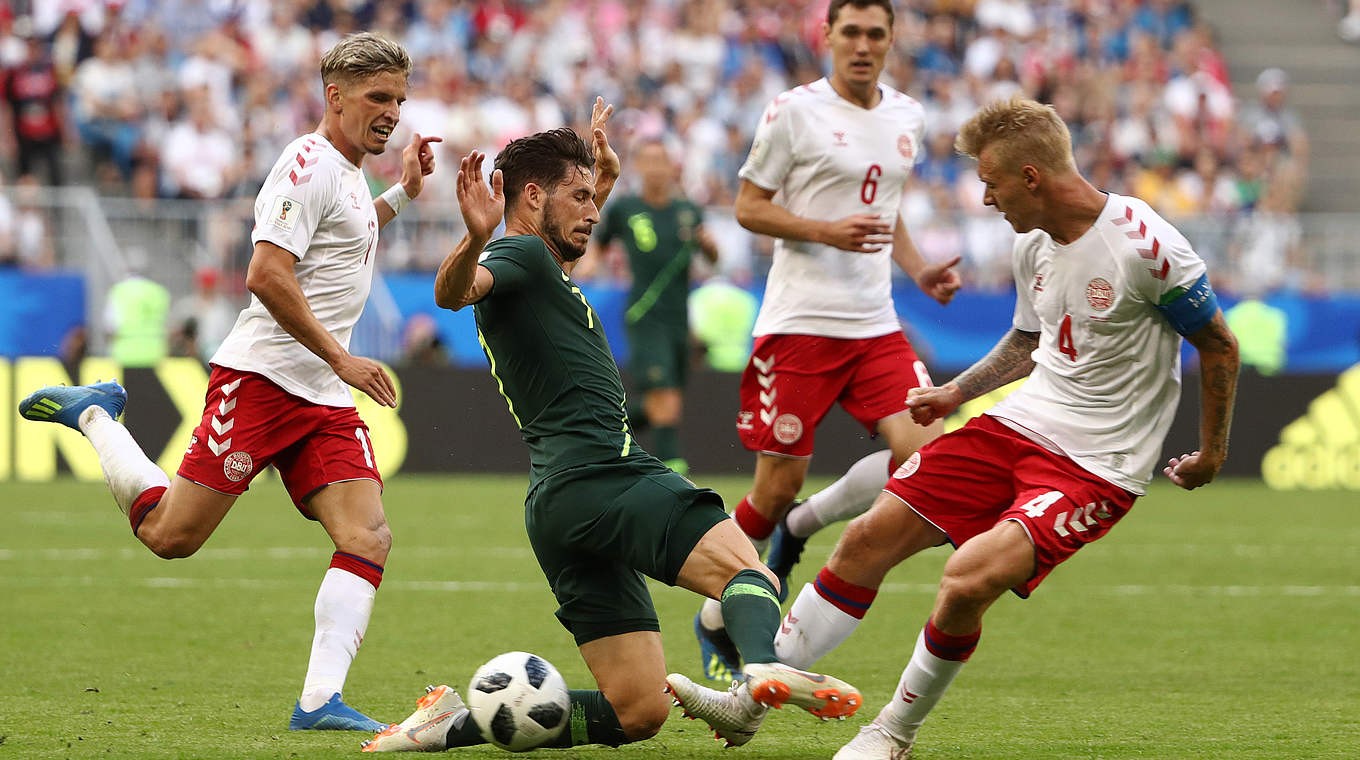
(64, 403)
(335, 715)
(718, 656)
(785, 551)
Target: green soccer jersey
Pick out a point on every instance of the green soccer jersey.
(550, 357)
(660, 242)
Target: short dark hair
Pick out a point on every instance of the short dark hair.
(543, 159)
(834, 9)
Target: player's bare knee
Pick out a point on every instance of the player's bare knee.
(171, 544)
(642, 718)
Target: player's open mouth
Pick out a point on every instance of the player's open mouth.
(383, 132)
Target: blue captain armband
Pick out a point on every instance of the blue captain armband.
(1189, 309)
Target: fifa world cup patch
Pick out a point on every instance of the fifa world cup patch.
(909, 467)
(787, 428)
(237, 466)
(285, 213)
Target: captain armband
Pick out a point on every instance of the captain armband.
(396, 198)
(1188, 309)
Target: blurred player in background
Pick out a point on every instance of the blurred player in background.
(601, 513)
(279, 391)
(1105, 291)
(660, 231)
(825, 177)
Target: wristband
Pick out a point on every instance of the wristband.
(396, 197)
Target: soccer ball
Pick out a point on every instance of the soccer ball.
(519, 701)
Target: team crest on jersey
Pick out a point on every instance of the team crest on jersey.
(237, 466)
(909, 467)
(1100, 294)
(840, 138)
(759, 149)
(906, 147)
(745, 420)
(285, 213)
(787, 428)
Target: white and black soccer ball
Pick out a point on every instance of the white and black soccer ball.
(519, 701)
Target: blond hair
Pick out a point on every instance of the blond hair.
(362, 55)
(1022, 132)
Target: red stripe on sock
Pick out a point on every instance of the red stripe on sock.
(353, 563)
(949, 647)
(847, 597)
(752, 523)
(141, 506)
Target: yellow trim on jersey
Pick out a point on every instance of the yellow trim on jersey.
(500, 386)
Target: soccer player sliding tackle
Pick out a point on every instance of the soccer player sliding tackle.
(1105, 291)
(837, 152)
(279, 391)
(601, 512)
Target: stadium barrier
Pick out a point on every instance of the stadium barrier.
(1295, 431)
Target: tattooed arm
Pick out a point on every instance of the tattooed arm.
(1008, 361)
(1218, 364)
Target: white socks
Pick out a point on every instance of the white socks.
(848, 497)
(127, 470)
(343, 606)
(812, 628)
(922, 684)
(710, 615)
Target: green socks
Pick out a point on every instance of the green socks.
(750, 607)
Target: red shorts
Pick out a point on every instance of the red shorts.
(250, 423)
(792, 381)
(972, 479)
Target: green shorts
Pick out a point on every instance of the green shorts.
(658, 354)
(598, 529)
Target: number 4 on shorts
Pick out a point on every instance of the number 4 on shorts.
(1040, 504)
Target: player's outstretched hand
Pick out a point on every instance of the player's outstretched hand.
(859, 233)
(940, 281)
(1190, 471)
(606, 160)
(483, 207)
(417, 162)
(928, 404)
(369, 377)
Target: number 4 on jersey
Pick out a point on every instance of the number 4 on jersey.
(1065, 344)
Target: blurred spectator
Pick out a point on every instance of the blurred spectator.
(1349, 28)
(135, 315)
(199, 159)
(35, 100)
(200, 321)
(32, 227)
(108, 105)
(421, 345)
(9, 251)
(1270, 122)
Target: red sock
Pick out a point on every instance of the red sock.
(949, 647)
(847, 597)
(142, 506)
(753, 523)
(353, 563)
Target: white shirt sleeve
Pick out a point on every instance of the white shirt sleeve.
(1026, 318)
(771, 154)
(1176, 266)
(287, 214)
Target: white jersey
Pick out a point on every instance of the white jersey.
(316, 205)
(828, 158)
(1107, 374)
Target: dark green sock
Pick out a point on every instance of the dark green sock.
(666, 443)
(464, 734)
(592, 722)
(750, 608)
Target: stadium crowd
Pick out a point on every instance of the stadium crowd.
(189, 99)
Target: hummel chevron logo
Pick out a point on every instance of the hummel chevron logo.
(788, 621)
(763, 365)
(907, 695)
(765, 380)
(225, 407)
(222, 427)
(1149, 253)
(218, 448)
(231, 387)
(767, 415)
(767, 399)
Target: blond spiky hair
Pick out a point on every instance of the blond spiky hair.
(362, 55)
(1022, 131)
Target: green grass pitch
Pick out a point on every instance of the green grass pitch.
(1223, 623)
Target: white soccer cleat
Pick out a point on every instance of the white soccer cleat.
(873, 742)
(428, 727)
(732, 714)
(776, 684)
